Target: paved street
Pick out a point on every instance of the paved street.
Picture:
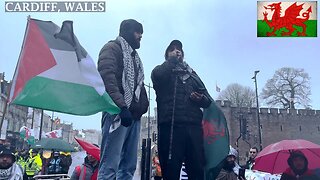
(77, 159)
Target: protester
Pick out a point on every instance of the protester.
(252, 155)
(7, 144)
(88, 170)
(22, 158)
(9, 169)
(66, 161)
(54, 166)
(180, 97)
(230, 168)
(45, 157)
(298, 168)
(122, 72)
(33, 164)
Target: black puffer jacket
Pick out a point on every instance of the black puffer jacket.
(170, 89)
(110, 67)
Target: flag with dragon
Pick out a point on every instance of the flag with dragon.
(216, 139)
(215, 135)
(287, 19)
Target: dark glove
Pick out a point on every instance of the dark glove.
(126, 117)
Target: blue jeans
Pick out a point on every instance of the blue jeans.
(118, 157)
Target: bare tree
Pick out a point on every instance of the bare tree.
(240, 96)
(289, 87)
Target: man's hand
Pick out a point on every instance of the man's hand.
(195, 96)
(126, 117)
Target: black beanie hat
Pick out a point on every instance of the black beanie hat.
(5, 151)
(174, 43)
(127, 29)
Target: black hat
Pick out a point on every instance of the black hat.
(6, 151)
(130, 26)
(174, 43)
(127, 29)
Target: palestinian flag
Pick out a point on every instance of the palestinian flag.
(216, 139)
(54, 72)
(287, 19)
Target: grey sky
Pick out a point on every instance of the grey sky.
(219, 40)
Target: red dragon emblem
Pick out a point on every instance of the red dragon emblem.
(210, 132)
(287, 21)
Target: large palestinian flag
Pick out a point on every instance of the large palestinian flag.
(54, 72)
(287, 19)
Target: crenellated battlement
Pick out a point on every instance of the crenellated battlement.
(271, 111)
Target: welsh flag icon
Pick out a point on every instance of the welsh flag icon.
(287, 19)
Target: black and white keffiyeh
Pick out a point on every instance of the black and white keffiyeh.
(15, 172)
(5, 173)
(129, 73)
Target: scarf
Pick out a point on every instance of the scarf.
(128, 74)
(5, 173)
(12, 173)
(183, 66)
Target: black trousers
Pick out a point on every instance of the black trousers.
(187, 146)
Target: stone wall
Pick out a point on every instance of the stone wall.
(277, 125)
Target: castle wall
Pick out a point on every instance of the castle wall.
(277, 125)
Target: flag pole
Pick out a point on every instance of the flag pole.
(15, 71)
(11, 83)
(18, 62)
(52, 120)
(40, 133)
(32, 120)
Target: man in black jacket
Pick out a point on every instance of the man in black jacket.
(180, 95)
(253, 152)
(122, 72)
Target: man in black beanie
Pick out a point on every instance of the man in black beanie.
(122, 72)
(180, 97)
(9, 169)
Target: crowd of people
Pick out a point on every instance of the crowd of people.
(27, 163)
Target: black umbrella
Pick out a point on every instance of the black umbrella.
(53, 144)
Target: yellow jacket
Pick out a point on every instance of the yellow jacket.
(33, 165)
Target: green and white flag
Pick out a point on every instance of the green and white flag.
(55, 73)
(287, 19)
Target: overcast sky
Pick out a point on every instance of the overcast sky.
(219, 40)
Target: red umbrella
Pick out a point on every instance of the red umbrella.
(273, 158)
(89, 148)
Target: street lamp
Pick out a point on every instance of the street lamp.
(258, 116)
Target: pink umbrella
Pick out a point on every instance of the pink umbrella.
(273, 158)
